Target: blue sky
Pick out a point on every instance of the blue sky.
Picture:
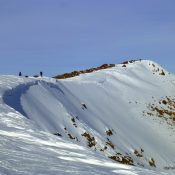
(58, 36)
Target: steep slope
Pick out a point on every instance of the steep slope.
(26, 150)
(125, 113)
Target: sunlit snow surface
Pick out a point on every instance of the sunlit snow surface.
(26, 150)
(31, 110)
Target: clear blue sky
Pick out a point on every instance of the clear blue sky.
(57, 36)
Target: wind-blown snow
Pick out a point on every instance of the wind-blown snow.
(83, 110)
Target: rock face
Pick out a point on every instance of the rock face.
(124, 112)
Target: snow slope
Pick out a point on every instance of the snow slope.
(99, 119)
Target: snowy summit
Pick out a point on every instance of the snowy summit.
(115, 119)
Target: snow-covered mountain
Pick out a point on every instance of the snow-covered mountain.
(89, 124)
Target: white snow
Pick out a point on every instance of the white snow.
(33, 109)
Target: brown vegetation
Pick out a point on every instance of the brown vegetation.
(152, 163)
(110, 143)
(131, 61)
(162, 73)
(157, 70)
(122, 159)
(139, 153)
(109, 132)
(76, 73)
(166, 110)
(90, 139)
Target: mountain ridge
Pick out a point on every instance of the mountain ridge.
(102, 67)
(109, 111)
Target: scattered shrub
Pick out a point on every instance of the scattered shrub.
(162, 73)
(70, 136)
(139, 153)
(110, 144)
(83, 106)
(73, 120)
(90, 139)
(58, 134)
(164, 102)
(122, 159)
(109, 132)
(105, 148)
(152, 163)
(76, 73)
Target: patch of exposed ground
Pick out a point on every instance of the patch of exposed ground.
(124, 159)
(70, 135)
(77, 73)
(139, 153)
(152, 163)
(164, 108)
(109, 132)
(90, 139)
(157, 70)
(109, 147)
(131, 61)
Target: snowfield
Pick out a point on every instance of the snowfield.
(119, 120)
